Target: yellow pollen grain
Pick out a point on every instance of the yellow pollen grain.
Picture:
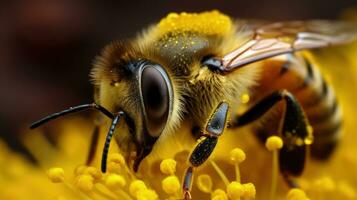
(204, 183)
(237, 155)
(219, 194)
(116, 163)
(310, 137)
(114, 167)
(171, 184)
(80, 170)
(56, 174)
(296, 194)
(235, 190)
(245, 98)
(168, 166)
(94, 172)
(308, 140)
(115, 181)
(299, 142)
(274, 143)
(146, 194)
(223, 79)
(208, 23)
(117, 158)
(85, 182)
(136, 186)
(249, 191)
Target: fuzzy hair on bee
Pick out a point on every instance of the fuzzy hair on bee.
(190, 71)
(197, 90)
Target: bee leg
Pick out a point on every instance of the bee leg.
(108, 139)
(187, 183)
(294, 130)
(98, 121)
(209, 139)
(93, 145)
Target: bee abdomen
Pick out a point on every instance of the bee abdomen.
(315, 95)
(323, 112)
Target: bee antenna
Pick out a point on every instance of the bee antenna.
(115, 121)
(72, 110)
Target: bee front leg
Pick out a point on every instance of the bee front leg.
(294, 131)
(209, 138)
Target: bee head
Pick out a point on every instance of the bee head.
(142, 89)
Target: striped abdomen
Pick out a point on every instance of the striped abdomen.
(304, 80)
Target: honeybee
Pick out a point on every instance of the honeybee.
(193, 68)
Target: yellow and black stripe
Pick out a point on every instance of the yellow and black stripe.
(296, 74)
(323, 112)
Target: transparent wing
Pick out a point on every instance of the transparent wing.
(272, 39)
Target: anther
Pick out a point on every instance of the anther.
(56, 174)
(204, 183)
(171, 184)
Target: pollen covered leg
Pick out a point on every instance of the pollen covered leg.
(294, 130)
(206, 145)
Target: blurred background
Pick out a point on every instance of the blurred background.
(47, 46)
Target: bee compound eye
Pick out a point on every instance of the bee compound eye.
(211, 62)
(156, 98)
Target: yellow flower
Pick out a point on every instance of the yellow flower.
(215, 180)
(239, 168)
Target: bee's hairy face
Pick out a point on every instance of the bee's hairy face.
(161, 82)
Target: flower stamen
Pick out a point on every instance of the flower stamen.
(204, 183)
(56, 174)
(219, 194)
(171, 184)
(237, 156)
(220, 173)
(168, 166)
(136, 186)
(274, 143)
(296, 194)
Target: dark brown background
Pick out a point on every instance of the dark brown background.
(47, 46)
